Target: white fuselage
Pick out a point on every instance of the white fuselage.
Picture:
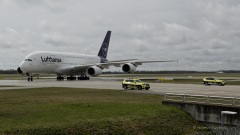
(54, 62)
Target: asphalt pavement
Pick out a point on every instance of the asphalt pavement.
(108, 83)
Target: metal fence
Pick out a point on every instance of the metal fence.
(203, 99)
(210, 100)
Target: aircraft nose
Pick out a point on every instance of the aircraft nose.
(23, 66)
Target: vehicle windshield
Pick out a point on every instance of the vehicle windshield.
(212, 78)
(139, 81)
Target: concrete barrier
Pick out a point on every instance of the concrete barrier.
(207, 112)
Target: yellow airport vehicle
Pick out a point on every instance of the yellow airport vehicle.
(213, 80)
(134, 83)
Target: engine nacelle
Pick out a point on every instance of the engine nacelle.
(94, 71)
(128, 68)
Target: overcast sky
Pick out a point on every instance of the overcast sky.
(201, 34)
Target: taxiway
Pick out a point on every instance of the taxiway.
(156, 88)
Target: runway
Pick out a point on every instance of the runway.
(156, 88)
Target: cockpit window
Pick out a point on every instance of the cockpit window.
(28, 60)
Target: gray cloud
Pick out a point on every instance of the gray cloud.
(203, 35)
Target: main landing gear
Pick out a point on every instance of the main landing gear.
(82, 77)
(60, 78)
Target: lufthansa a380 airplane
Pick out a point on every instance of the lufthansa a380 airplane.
(72, 65)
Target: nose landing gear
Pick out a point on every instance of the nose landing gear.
(30, 78)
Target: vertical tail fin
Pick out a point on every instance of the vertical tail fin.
(104, 48)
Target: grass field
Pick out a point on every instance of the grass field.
(9, 76)
(175, 75)
(230, 78)
(18, 76)
(7, 86)
(88, 111)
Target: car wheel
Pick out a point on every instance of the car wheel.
(206, 83)
(139, 87)
(219, 84)
(147, 88)
(124, 87)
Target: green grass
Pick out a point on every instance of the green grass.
(18, 76)
(190, 81)
(199, 81)
(230, 78)
(1, 86)
(9, 76)
(175, 75)
(233, 83)
(178, 81)
(89, 111)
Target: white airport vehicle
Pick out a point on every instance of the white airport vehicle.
(75, 66)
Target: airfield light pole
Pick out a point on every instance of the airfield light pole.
(226, 112)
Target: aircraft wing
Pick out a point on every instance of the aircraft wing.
(120, 60)
(106, 65)
(135, 62)
(152, 61)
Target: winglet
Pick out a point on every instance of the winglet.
(104, 48)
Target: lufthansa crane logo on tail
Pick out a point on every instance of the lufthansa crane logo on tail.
(104, 49)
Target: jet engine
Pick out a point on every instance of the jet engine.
(94, 71)
(129, 68)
